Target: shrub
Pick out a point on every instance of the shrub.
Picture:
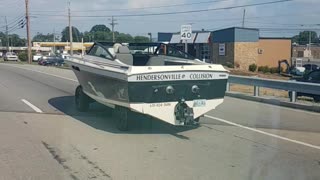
(253, 67)
(23, 56)
(274, 70)
(264, 69)
(229, 65)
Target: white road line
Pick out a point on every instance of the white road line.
(45, 73)
(35, 108)
(264, 133)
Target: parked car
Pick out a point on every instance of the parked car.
(10, 56)
(37, 57)
(311, 67)
(312, 77)
(51, 61)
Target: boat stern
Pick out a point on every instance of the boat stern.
(178, 97)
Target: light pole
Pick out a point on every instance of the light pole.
(150, 34)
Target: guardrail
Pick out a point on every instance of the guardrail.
(292, 86)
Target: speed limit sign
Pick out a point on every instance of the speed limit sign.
(186, 32)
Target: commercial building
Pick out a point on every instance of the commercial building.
(240, 47)
(243, 47)
(304, 51)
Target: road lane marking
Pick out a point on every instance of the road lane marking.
(45, 73)
(35, 108)
(264, 133)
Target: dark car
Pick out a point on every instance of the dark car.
(312, 77)
(311, 67)
(51, 61)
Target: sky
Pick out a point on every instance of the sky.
(277, 20)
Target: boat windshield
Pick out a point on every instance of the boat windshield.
(151, 49)
(159, 49)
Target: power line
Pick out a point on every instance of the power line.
(176, 12)
(154, 7)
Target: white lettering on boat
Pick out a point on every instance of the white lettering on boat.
(178, 76)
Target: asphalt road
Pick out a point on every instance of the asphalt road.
(42, 136)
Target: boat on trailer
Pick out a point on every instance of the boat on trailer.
(153, 79)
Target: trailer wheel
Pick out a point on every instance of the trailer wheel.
(121, 115)
(82, 101)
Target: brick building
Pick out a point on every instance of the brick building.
(243, 47)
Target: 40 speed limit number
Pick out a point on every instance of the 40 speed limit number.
(186, 32)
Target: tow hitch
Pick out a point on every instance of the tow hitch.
(184, 114)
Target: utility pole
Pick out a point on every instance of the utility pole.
(70, 30)
(243, 17)
(113, 23)
(7, 34)
(28, 32)
(310, 54)
(54, 40)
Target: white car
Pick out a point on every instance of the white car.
(37, 57)
(10, 56)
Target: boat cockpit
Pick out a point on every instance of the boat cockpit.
(143, 54)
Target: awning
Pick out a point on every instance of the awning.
(203, 37)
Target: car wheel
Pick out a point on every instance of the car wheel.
(82, 101)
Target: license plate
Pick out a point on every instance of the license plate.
(199, 103)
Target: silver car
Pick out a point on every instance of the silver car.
(10, 56)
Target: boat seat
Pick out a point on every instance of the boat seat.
(124, 55)
(156, 61)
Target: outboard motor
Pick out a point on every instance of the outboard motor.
(184, 113)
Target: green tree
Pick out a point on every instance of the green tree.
(99, 28)
(303, 38)
(43, 38)
(77, 36)
(124, 38)
(141, 39)
(14, 40)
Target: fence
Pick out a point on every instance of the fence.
(290, 86)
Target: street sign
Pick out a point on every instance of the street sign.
(186, 32)
(222, 49)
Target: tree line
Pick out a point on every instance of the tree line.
(97, 33)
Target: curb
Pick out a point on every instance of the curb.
(312, 108)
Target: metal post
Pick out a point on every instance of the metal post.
(228, 87)
(293, 97)
(186, 46)
(256, 91)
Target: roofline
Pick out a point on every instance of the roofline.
(236, 28)
(284, 38)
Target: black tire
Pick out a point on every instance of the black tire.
(122, 115)
(82, 101)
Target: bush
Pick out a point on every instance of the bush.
(253, 67)
(23, 56)
(229, 65)
(264, 69)
(274, 70)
